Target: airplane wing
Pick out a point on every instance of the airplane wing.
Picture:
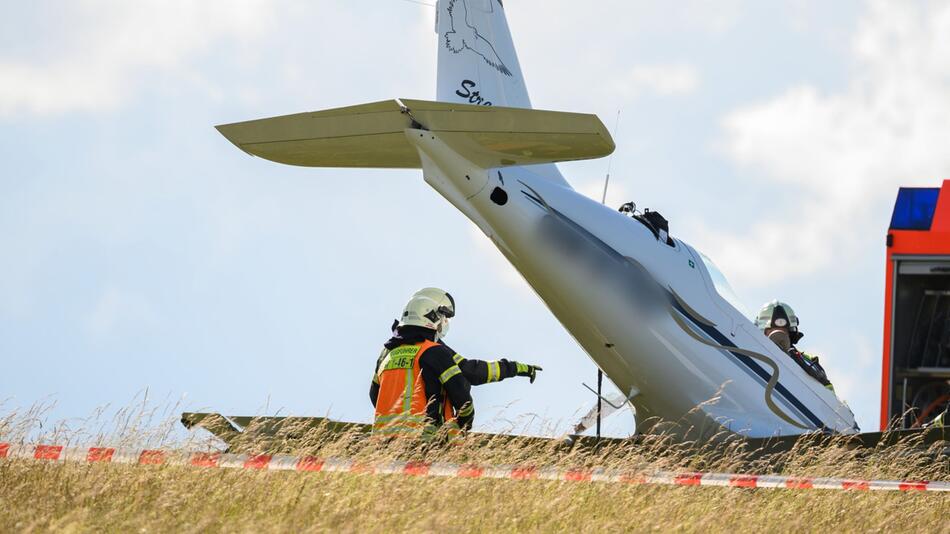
(374, 135)
(256, 433)
(289, 433)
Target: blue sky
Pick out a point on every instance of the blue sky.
(139, 249)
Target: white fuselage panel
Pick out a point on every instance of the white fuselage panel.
(646, 312)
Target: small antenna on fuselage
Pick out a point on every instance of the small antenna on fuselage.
(603, 200)
(610, 160)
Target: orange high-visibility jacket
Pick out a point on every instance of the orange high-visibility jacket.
(402, 401)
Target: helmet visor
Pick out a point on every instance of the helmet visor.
(448, 311)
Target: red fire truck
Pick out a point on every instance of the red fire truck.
(915, 374)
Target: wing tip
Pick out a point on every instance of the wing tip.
(223, 130)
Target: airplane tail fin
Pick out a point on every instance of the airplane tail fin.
(478, 63)
(374, 135)
(477, 59)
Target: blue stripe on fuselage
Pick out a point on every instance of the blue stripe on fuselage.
(720, 338)
(709, 330)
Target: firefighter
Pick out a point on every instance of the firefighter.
(940, 421)
(421, 385)
(778, 322)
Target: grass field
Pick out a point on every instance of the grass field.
(101, 497)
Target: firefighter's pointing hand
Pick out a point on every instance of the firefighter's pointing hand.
(531, 371)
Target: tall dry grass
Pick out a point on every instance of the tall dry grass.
(38, 496)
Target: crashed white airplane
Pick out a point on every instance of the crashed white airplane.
(653, 313)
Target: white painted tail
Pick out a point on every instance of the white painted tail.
(478, 63)
(477, 59)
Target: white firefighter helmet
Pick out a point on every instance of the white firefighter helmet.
(429, 308)
(777, 314)
(781, 317)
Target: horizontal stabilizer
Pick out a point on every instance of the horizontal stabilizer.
(373, 135)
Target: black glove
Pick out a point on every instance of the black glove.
(528, 370)
(811, 366)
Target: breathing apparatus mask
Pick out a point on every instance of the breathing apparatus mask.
(443, 329)
(782, 339)
(442, 322)
(779, 322)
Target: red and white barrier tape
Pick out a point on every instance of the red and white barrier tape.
(59, 453)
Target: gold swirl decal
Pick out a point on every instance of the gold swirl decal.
(644, 294)
(773, 380)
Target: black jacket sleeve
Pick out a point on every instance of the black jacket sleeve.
(441, 373)
(374, 392)
(479, 372)
(374, 385)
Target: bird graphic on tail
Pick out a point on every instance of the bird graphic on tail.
(465, 36)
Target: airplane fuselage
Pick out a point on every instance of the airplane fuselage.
(647, 312)
(650, 311)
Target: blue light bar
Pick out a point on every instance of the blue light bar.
(914, 209)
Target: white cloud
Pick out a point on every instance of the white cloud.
(659, 79)
(106, 44)
(618, 190)
(118, 310)
(666, 79)
(714, 16)
(836, 160)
